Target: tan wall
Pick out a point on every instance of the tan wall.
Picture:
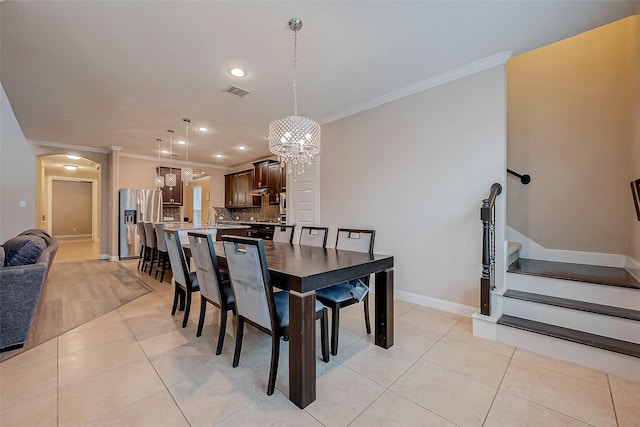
(635, 174)
(570, 127)
(71, 208)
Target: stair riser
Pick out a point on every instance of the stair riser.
(513, 257)
(619, 364)
(581, 291)
(614, 327)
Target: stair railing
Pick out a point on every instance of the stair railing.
(525, 179)
(488, 217)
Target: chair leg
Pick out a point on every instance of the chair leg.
(141, 256)
(239, 333)
(367, 322)
(275, 355)
(153, 259)
(324, 329)
(160, 258)
(164, 266)
(176, 297)
(335, 327)
(222, 330)
(187, 308)
(203, 312)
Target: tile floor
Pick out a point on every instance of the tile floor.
(76, 250)
(136, 366)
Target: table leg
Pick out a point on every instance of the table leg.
(384, 308)
(302, 348)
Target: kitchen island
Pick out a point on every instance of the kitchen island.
(218, 229)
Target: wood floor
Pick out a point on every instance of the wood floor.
(76, 250)
(77, 292)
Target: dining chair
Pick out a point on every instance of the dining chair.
(313, 236)
(186, 282)
(143, 245)
(163, 256)
(152, 245)
(338, 296)
(214, 286)
(283, 233)
(257, 304)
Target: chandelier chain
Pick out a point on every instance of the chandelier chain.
(295, 72)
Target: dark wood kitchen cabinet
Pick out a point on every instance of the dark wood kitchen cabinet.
(171, 196)
(261, 173)
(275, 183)
(238, 188)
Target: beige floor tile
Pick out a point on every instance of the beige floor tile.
(413, 340)
(509, 410)
(148, 304)
(341, 395)
(383, 366)
(463, 332)
(567, 368)
(457, 398)
(159, 341)
(427, 321)
(157, 410)
(394, 410)
(40, 410)
(626, 398)
(218, 392)
(28, 381)
(571, 396)
(96, 396)
(96, 360)
(437, 312)
(141, 325)
(40, 353)
(105, 319)
(75, 341)
(473, 362)
(274, 410)
(401, 307)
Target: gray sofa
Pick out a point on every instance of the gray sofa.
(24, 264)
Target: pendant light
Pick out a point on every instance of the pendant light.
(187, 171)
(170, 178)
(294, 139)
(159, 181)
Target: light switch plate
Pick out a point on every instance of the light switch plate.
(23, 203)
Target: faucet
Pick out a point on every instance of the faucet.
(211, 208)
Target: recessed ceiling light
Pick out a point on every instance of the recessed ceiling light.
(72, 157)
(219, 156)
(238, 72)
(242, 147)
(165, 151)
(181, 142)
(70, 167)
(203, 129)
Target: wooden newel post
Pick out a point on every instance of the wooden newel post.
(485, 280)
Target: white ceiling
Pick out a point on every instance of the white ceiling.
(102, 73)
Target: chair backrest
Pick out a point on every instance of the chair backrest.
(159, 229)
(204, 256)
(176, 257)
(283, 233)
(250, 280)
(314, 236)
(141, 233)
(350, 239)
(150, 234)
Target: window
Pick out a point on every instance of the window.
(197, 206)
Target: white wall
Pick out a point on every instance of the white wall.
(416, 171)
(17, 175)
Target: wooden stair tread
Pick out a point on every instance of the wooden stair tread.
(607, 310)
(580, 337)
(612, 276)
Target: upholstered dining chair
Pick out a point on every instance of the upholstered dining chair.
(152, 245)
(163, 256)
(313, 236)
(186, 282)
(214, 285)
(283, 233)
(257, 304)
(143, 245)
(338, 296)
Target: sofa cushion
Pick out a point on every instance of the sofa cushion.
(38, 232)
(1, 256)
(23, 250)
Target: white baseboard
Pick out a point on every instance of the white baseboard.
(531, 249)
(438, 304)
(113, 258)
(104, 256)
(633, 268)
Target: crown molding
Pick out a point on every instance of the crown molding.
(448, 76)
(179, 162)
(70, 147)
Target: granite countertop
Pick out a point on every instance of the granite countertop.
(249, 223)
(187, 226)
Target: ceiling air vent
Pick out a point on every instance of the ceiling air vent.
(233, 90)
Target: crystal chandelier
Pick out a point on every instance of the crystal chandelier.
(170, 178)
(187, 171)
(159, 181)
(294, 139)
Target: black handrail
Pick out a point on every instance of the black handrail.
(487, 215)
(525, 179)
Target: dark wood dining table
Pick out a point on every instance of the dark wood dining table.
(304, 269)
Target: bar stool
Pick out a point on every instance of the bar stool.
(152, 244)
(143, 254)
(163, 255)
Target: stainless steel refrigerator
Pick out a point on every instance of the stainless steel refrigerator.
(136, 205)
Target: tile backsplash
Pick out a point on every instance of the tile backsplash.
(172, 212)
(268, 213)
